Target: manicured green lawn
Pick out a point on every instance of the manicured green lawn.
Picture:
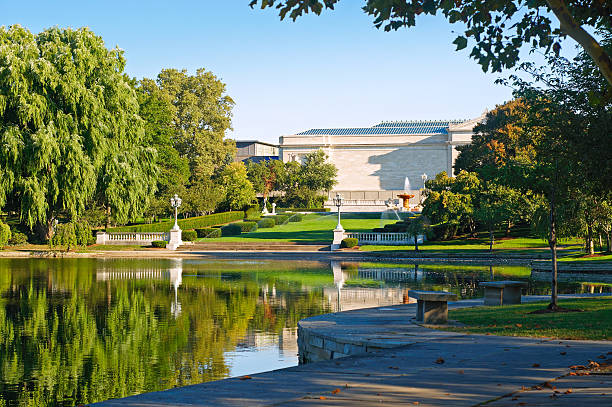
(519, 245)
(595, 322)
(313, 228)
(582, 257)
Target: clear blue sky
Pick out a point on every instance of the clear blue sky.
(335, 70)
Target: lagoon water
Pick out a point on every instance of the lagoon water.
(76, 331)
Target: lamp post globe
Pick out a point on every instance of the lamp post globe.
(338, 201)
(175, 202)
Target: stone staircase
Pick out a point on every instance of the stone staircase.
(255, 246)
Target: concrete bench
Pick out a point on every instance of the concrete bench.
(432, 306)
(502, 292)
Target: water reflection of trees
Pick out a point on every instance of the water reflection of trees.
(66, 338)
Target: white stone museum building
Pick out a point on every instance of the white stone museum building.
(379, 162)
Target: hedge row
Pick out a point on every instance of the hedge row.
(185, 224)
(208, 232)
(303, 209)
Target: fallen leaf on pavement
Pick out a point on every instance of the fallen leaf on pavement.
(336, 391)
(568, 391)
(461, 372)
(535, 365)
(563, 353)
(519, 325)
(322, 398)
(439, 361)
(245, 378)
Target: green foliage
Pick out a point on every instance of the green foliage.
(266, 176)
(267, 222)
(349, 242)
(5, 234)
(159, 244)
(189, 235)
(303, 184)
(281, 219)
(190, 223)
(233, 229)
(83, 233)
(70, 132)
(17, 238)
(65, 235)
(239, 192)
(296, 217)
(449, 200)
(497, 29)
(201, 116)
(253, 213)
(208, 232)
(246, 227)
(202, 197)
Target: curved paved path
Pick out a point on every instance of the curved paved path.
(422, 367)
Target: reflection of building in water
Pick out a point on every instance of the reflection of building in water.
(342, 298)
(392, 274)
(285, 341)
(172, 272)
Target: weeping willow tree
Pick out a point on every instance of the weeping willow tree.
(70, 134)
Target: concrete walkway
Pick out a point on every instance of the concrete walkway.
(419, 366)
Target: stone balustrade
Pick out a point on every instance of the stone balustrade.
(391, 239)
(135, 238)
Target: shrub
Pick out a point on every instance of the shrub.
(65, 235)
(185, 224)
(160, 244)
(208, 232)
(267, 222)
(246, 227)
(349, 242)
(280, 219)
(189, 235)
(17, 238)
(296, 217)
(83, 234)
(252, 213)
(232, 229)
(5, 234)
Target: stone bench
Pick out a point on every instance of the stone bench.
(502, 292)
(432, 306)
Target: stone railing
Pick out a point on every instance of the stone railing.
(391, 239)
(135, 238)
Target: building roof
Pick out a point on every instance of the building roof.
(255, 142)
(391, 128)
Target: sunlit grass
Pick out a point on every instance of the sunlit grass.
(595, 322)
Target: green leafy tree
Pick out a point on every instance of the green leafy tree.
(449, 201)
(239, 191)
(203, 198)
(305, 183)
(5, 234)
(417, 226)
(158, 112)
(498, 29)
(70, 133)
(202, 113)
(494, 205)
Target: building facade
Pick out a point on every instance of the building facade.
(379, 162)
(255, 151)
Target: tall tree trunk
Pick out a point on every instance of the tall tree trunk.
(416, 243)
(508, 226)
(600, 242)
(609, 240)
(570, 27)
(491, 239)
(552, 241)
(590, 249)
(45, 230)
(108, 217)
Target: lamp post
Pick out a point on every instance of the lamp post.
(175, 202)
(338, 201)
